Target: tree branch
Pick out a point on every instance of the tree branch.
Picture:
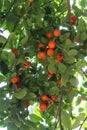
(83, 123)
(58, 116)
(8, 11)
(69, 11)
(60, 104)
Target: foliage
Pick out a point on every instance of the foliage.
(54, 73)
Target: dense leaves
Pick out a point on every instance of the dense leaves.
(43, 51)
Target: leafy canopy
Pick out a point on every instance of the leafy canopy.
(40, 78)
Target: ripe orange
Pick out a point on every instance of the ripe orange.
(52, 44)
(57, 33)
(59, 81)
(30, 1)
(78, 40)
(41, 45)
(41, 55)
(15, 79)
(43, 106)
(73, 20)
(54, 98)
(15, 51)
(51, 74)
(44, 98)
(49, 35)
(50, 52)
(27, 64)
(59, 57)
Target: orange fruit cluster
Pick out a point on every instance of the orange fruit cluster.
(50, 49)
(46, 101)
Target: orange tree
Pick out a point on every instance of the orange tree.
(40, 62)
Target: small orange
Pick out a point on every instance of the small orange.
(43, 106)
(51, 44)
(50, 52)
(15, 51)
(49, 35)
(30, 1)
(44, 98)
(57, 33)
(59, 57)
(73, 20)
(51, 74)
(27, 64)
(54, 98)
(41, 45)
(59, 81)
(41, 55)
(78, 40)
(15, 79)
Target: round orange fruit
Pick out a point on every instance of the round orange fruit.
(41, 55)
(50, 52)
(57, 33)
(49, 35)
(51, 44)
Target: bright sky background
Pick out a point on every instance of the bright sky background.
(3, 128)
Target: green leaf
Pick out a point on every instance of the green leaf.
(62, 68)
(2, 39)
(51, 67)
(81, 25)
(65, 77)
(11, 39)
(69, 44)
(12, 126)
(11, 59)
(78, 120)
(66, 120)
(74, 81)
(24, 40)
(85, 84)
(21, 94)
(72, 52)
(35, 118)
(65, 36)
(18, 123)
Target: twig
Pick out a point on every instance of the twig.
(5, 15)
(82, 123)
(69, 11)
(58, 116)
(60, 103)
